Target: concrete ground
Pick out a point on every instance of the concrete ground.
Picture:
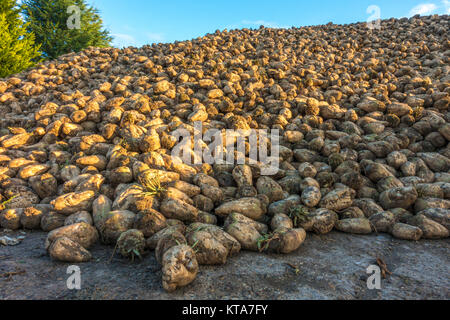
(325, 267)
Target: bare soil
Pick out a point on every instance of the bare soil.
(332, 266)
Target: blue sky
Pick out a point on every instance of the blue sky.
(139, 22)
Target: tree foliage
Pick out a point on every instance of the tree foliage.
(48, 20)
(18, 50)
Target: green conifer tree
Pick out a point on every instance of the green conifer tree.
(48, 20)
(18, 50)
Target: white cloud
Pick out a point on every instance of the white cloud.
(123, 40)
(423, 9)
(446, 4)
(155, 37)
(255, 24)
(258, 23)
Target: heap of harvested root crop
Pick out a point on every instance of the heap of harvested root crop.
(364, 118)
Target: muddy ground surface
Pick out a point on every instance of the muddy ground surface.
(329, 267)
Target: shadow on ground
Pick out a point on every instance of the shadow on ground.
(328, 267)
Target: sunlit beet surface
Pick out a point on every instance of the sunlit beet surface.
(91, 148)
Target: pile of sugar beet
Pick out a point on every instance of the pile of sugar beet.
(85, 143)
